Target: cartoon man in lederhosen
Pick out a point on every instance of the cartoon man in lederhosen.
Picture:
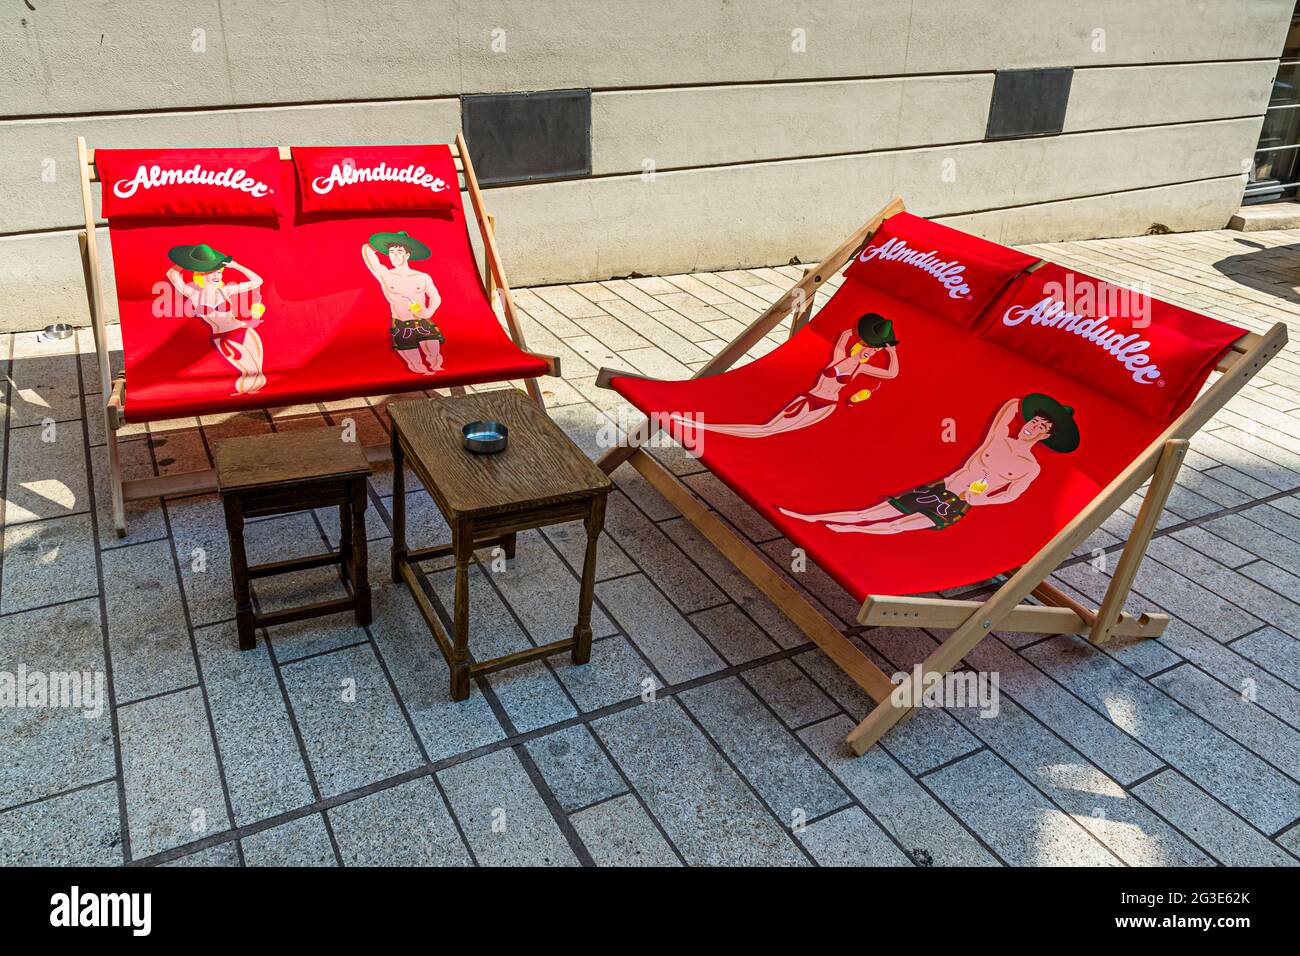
(412, 299)
(999, 471)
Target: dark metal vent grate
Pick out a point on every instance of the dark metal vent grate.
(526, 137)
(1029, 103)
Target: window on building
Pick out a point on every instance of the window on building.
(1275, 173)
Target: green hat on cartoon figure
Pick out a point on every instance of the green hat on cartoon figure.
(876, 331)
(201, 258)
(380, 242)
(1064, 436)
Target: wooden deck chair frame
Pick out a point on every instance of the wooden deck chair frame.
(969, 621)
(114, 387)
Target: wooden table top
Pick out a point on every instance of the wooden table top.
(280, 458)
(539, 466)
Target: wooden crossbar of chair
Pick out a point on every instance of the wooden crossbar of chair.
(205, 480)
(970, 621)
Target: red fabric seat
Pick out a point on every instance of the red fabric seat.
(325, 331)
(925, 423)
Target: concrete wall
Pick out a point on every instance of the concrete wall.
(716, 141)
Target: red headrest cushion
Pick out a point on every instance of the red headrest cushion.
(354, 178)
(1148, 354)
(946, 272)
(207, 183)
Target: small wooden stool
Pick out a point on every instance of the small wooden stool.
(541, 478)
(282, 473)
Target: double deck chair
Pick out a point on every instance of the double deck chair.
(956, 412)
(320, 251)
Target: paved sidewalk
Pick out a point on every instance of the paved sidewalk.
(330, 744)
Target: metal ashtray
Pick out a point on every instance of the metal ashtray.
(485, 438)
(56, 332)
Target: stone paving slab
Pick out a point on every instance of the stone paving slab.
(932, 737)
(790, 693)
(503, 817)
(531, 695)
(706, 729)
(784, 774)
(1014, 818)
(1276, 652)
(264, 769)
(47, 473)
(924, 830)
(576, 768)
(223, 854)
(624, 674)
(446, 727)
(170, 774)
(736, 638)
(51, 750)
(744, 595)
(1261, 794)
(1209, 823)
(620, 832)
(1080, 790)
(660, 557)
(707, 809)
(77, 828)
(850, 838)
(352, 726)
(669, 642)
(1091, 734)
(404, 825)
(148, 637)
(47, 561)
(304, 841)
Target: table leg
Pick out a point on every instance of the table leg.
(463, 545)
(399, 508)
(508, 546)
(346, 541)
(359, 558)
(582, 632)
(239, 573)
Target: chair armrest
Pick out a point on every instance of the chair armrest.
(552, 362)
(605, 374)
(116, 404)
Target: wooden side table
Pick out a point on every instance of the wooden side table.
(285, 472)
(540, 478)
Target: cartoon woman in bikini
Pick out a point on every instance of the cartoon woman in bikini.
(998, 472)
(216, 302)
(839, 383)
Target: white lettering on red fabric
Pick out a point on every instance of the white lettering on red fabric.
(951, 274)
(1128, 349)
(151, 177)
(349, 175)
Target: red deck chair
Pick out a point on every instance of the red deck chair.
(1023, 403)
(307, 307)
